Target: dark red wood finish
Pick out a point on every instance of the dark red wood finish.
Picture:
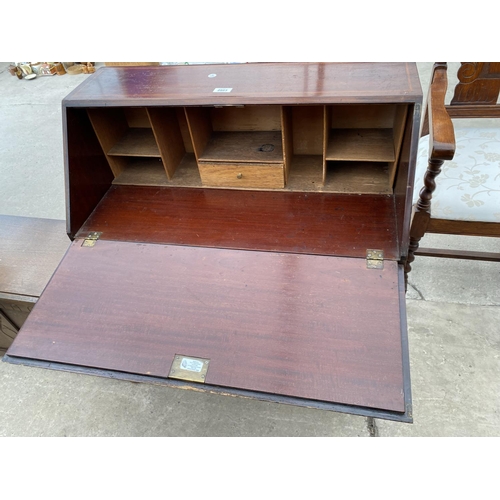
(315, 223)
(261, 83)
(322, 328)
(88, 175)
(403, 186)
(271, 286)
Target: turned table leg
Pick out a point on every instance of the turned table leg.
(422, 212)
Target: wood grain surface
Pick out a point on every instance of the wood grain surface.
(247, 118)
(247, 175)
(30, 251)
(168, 136)
(136, 142)
(261, 83)
(307, 326)
(316, 223)
(88, 173)
(371, 144)
(151, 172)
(358, 177)
(404, 178)
(256, 147)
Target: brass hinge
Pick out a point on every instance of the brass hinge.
(90, 240)
(374, 259)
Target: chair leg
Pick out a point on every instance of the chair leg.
(422, 213)
(419, 225)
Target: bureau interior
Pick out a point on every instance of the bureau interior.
(362, 146)
(346, 148)
(246, 134)
(146, 145)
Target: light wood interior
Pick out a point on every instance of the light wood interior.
(305, 145)
(156, 132)
(137, 117)
(244, 147)
(343, 148)
(358, 144)
(287, 138)
(136, 142)
(150, 172)
(168, 137)
(362, 146)
(246, 118)
(237, 134)
(200, 128)
(110, 125)
(363, 176)
(242, 175)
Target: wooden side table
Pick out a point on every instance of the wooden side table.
(30, 251)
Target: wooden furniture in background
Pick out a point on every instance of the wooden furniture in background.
(239, 229)
(30, 251)
(475, 96)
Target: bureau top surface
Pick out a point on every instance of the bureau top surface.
(249, 83)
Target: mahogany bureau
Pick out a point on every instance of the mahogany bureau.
(240, 229)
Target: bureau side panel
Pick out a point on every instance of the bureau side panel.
(87, 172)
(404, 183)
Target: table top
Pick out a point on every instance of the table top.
(30, 251)
(250, 83)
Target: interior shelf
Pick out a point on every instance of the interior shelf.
(306, 173)
(136, 142)
(254, 147)
(358, 177)
(150, 172)
(338, 149)
(361, 144)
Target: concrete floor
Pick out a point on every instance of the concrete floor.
(453, 318)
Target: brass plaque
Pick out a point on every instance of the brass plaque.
(189, 368)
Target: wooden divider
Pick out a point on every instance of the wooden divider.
(334, 148)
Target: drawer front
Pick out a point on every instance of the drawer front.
(243, 175)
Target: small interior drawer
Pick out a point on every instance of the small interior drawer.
(242, 175)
